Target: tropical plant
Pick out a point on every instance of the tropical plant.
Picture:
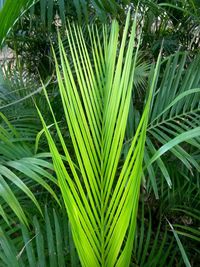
(99, 134)
(21, 172)
(100, 192)
(154, 245)
(47, 243)
(174, 177)
(175, 118)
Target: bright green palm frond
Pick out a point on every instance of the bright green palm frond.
(101, 199)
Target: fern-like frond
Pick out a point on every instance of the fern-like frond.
(175, 116)
(21, 171)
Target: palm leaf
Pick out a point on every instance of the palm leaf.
(21, 169)
(11, 12)
(184, 218)
(184, 255)
(174, 118)
(45, 245)
(153, 245)
(101, 200)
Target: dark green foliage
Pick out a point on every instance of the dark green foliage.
(46, 243)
